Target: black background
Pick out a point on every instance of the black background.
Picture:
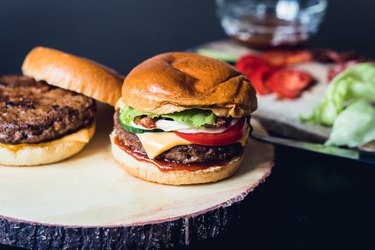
(121, 33)
(310, 201)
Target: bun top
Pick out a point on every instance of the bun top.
(174, 82)
(73, 73)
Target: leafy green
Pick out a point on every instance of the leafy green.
(354, 83)
(347, 106)
(219, 55)
(354, 126)
(127, 115)
(193, 117)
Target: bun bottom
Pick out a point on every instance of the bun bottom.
(47, 152)
(149, 172)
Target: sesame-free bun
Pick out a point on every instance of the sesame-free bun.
(46, 152)
(149, 172)
(173, 82)
(73, 73)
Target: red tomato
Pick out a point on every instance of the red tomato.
(229, 136)
(258, 79)
(255, 69)
(281, 58)
(289, 83)
(248, 63)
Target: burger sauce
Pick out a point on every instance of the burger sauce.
(166, 166)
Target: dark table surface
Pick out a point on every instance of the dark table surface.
(310, 201)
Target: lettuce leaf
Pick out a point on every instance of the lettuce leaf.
(354, 126)
(193, 117)
(354, 83)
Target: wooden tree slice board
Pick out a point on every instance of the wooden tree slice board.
(88, 201)
(283, 116)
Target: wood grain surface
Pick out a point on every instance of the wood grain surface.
(91, 191)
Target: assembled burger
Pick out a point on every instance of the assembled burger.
(48, 114)
(183, 118)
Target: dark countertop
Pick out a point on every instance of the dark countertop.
(310, 201)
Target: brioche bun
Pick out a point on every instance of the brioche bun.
(173, 82)
(73, 73)
(46, 152)
(177, 81)
(150, 172)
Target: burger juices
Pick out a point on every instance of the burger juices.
(183, 119)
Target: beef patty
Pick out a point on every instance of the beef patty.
(184, 153)
(35, 112)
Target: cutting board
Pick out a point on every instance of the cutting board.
(282, 116)
(88, 201)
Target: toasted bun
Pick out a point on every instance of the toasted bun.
(173, 82)
(47, 152)
(149, 172)
(73, 73)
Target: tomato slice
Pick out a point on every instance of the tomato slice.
(255, 68)
(281, 58)
(289, 83)
(248, 63)
(267, 73)
(258, 79)
(229, 136)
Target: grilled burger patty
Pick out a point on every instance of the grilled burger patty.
(35, 112)
(184, 153)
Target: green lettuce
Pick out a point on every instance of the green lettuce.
(348, 107)
(193, 117)
(354, 83)
(354, 126)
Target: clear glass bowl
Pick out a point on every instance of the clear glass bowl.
(271, 23)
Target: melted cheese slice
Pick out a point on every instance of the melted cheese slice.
(83, 135)
(157, 143)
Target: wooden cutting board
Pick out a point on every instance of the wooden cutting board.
(88, 201)
(283, 116)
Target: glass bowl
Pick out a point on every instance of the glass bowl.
(271, 23)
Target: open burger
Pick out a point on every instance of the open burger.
(48, 114)
(182, 119)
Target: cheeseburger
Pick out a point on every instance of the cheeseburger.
(183, 118)
(48, 114)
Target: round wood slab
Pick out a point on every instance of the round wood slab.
(88, 201)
